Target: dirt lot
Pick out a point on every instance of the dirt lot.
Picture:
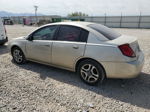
(38, 88)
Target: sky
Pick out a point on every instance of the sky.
(90, 7)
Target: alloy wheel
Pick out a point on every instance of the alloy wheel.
(18, 56)
(89, 73)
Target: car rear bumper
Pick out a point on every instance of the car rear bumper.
(124, 70)
(3, 41)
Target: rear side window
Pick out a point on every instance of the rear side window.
(68, 33)
(84, 35)
(107, 32)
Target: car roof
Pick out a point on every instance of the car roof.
(80, 24)
(75, 23)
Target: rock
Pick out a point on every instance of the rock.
(90, 105)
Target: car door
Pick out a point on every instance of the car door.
(39, 45)
(69, 46)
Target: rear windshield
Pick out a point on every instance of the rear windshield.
(107, 32)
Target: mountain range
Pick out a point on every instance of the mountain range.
(8, 14)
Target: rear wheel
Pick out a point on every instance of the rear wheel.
(18, 55)
(91, 72)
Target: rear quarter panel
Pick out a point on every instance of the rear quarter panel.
(100, 50)
(103, 52)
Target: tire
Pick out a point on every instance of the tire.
(2, 44)
(91, 72)
(18, 55)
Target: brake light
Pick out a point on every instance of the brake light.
(127, 50)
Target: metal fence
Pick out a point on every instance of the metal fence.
(122, 21)
(110, 21)
(31, 19)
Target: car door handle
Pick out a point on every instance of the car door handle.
(75, 47)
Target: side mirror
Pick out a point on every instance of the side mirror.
(30, 38)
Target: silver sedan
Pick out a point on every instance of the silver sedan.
(92, 50)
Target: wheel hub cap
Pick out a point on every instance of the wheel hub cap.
(89, 73)
(17, 55)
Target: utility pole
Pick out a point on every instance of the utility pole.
(105, 19)
(121, 20)
(140, 16)
(36, 7)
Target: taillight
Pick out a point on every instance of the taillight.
(127, 50)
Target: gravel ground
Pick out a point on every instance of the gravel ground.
(34, 87)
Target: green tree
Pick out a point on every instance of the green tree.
(77, 14)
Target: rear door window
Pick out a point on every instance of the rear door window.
(72, 33)
(107, 32)
(68, 33)
(84, 35)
